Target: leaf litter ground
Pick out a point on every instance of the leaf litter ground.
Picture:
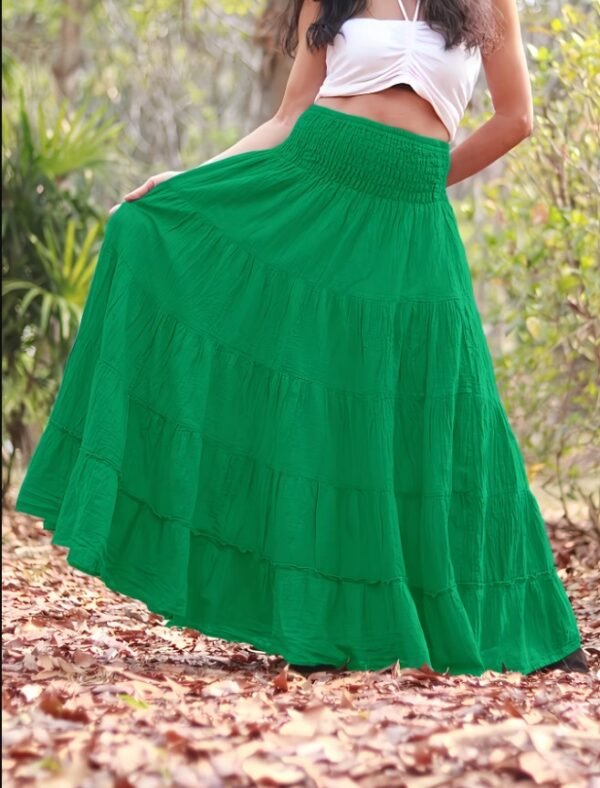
(97, 692)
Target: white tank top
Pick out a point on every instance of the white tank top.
(374, 54)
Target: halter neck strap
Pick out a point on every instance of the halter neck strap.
(416, 14)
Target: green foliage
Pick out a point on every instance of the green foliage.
(28, 391)
(185, 79)
(50, 238)
(179, 76)
(75, 140)
(68, 272)
(535, 262)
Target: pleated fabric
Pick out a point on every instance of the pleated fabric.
(279, 422)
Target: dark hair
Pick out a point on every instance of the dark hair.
(471, 22)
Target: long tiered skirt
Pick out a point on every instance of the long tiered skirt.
(279, 422)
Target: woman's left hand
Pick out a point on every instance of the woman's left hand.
(147, 186)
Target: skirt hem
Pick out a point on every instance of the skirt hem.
(310, 652)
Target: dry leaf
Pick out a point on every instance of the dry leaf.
(272, 772)
(280, 681)
(96, 690)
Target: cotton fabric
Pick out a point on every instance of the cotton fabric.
(279, 421)
(369, 55)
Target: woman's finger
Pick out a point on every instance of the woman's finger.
(141, 190)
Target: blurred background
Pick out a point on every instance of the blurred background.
(98, 95)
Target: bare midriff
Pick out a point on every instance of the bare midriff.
(396, 106)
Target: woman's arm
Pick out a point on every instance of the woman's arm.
(304, 81)
(508, 82)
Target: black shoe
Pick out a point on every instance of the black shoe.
(306, 670)
(575, 662)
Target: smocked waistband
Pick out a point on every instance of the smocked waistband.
(368, 156)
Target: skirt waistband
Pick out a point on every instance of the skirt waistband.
(369, 156)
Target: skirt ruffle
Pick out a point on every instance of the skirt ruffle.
(279, 422)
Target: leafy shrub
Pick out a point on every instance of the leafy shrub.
(535, 265)
(50, 237)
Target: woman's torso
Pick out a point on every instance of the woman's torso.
(396, 106)
(400, 104)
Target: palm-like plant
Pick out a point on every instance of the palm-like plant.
(51, 232)
(68, 265)
(75, 140)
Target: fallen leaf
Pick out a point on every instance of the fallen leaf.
(50, 703)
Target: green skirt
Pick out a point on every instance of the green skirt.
(279, 422)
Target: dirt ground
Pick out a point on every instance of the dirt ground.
(98, 692)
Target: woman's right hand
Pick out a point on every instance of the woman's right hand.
(152, 181)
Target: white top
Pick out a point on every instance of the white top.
(369, 55)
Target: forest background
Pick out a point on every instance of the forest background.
(98, 95)
(97, 691)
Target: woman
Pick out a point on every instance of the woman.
(279, 423)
